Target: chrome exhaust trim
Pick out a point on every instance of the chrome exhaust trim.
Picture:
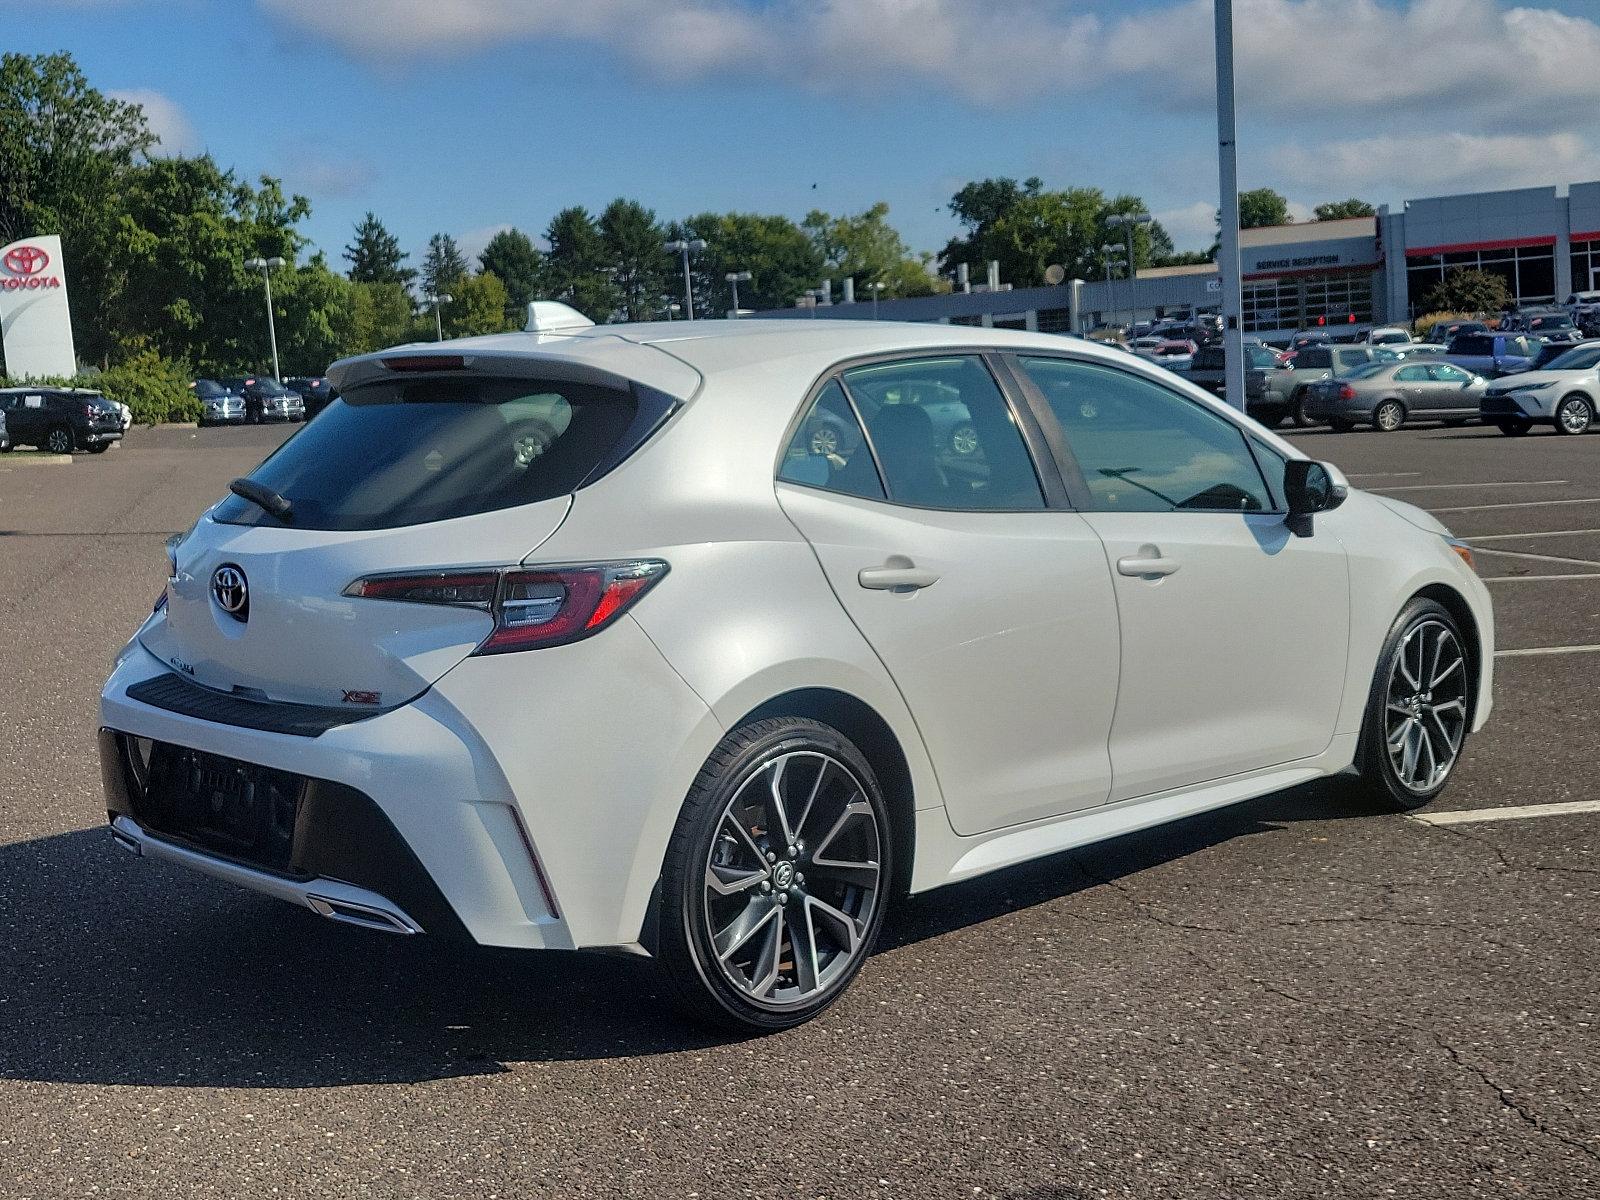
(331, 898)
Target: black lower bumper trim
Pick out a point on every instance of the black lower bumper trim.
(176, 694)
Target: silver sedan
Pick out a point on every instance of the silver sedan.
(1387, 394)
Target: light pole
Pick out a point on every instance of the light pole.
(735, 278)
(266, 266)
(876, 288)
(438, 302)
(1108, 255)
(686, 248)
(1228, 241)
(1128, 223)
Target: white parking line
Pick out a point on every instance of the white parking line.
(1428, 487)
(1515, 504)
(1573, 562)
(1507, 537)
(1382, 474)
(1565, 808)
(1531, 651)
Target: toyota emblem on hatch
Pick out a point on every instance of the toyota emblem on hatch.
(232, 592)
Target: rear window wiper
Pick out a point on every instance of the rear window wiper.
(260, 494)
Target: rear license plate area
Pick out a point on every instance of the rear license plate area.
(236, 809)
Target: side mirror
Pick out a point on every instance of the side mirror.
(1309, 489)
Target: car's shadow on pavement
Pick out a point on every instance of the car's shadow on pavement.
(118, 971)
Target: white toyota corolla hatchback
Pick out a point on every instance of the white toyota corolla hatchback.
(705, 640)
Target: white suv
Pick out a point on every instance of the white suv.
(705, 640)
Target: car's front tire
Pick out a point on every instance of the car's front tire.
(777, 877)
(1514, 427)
(1574, 415)
(1419, 709)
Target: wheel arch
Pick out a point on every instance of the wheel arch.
(871, 734)
(1456, 605)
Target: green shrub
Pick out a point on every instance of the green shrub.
(1427, 321)
(155, 388)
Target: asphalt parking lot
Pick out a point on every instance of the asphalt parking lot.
(1293, 997)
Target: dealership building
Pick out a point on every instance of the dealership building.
(1544, 242)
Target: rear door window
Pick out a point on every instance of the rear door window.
(405, 452)
(943, 434)
(829, 451)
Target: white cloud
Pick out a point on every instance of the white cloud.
(322, 175)
(1295, 57)
(472, 242)
(167, 119)
(1192, 227)
(1414, 164)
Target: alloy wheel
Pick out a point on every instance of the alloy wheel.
(1389, 416)
(59, 442)
(964, 440)
(793, 879)
(1574, 416)
(1426, 705)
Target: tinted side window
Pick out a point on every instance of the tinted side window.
(1142, 448)
(1469, 343)
(944, 435)
(829, 451)
(1418, 374)
(1314, 357)
(1272, 466)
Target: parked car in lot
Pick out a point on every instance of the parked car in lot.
(219, 404)
(771, 689)
(1565, 393)
(5, 434)
(1267, 382)
(1443, 331)
(265, 399)
(1386, 335)
(1388, 394)
(315, 392)
(61, 420)
(1172, 353)
(1548, 325)
(1492, 355)
(1324, 360)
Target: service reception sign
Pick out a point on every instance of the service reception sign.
(34, 317)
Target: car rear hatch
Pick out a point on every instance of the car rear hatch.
(431, 471)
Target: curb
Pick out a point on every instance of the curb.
(14, 459)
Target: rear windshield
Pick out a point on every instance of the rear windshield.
(406, 452)
(1469, 343)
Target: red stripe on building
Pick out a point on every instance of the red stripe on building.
(1588, 235)
(1468, 247)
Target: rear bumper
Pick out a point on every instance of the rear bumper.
(534, 794)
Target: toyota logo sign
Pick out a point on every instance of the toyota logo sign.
(26, 260)
(231, 591)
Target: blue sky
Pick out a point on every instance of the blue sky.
(469, 115)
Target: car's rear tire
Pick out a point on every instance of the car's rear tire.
(98, 447)
(1302, 419)
(1574, 415)
(60, 440)
(1388, 416)
(1514, 428)
(1419, 710)
(733, 953)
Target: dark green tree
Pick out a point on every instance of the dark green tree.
(781, 259)
(66, 152)
(1465, 290)
(512, 257)
(866, 248)
(443, 265)
(575, 265)
(375, 256)
(1262, 207)
(1336, 210)
(632, 240)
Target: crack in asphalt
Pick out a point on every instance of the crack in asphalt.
(1506, 1096)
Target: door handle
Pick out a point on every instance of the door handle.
(1147, 564)
(899, 574)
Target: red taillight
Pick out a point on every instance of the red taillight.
(531, 608)
(1346, 392)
